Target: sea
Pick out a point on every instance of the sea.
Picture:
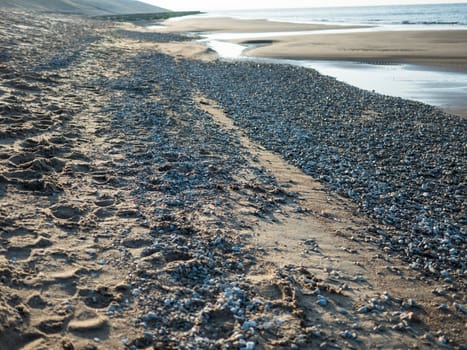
(439, 87)
(451, 15)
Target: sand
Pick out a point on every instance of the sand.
(447, 49)
(231, 25)
(81, 187)
(444, 48)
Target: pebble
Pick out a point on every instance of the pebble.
(349, 334)
(322, 301)
(150, 316)
(442, 340)
(443, 307)
(249, 324)
(249, 346)
(363, 310)
(460, 308)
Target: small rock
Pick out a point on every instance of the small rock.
(349, 334)
(459, 307)
(363, 310)
(249, 324)
(249, 346)
(322, 301)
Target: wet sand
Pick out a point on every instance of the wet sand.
(446, 49)
(443, 48)
(138, 212)
(231, 25)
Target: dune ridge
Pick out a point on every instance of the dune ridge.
(87, 7)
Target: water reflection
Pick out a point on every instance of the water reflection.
(442, 88)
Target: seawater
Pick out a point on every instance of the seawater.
(438, 87)
(432, 15)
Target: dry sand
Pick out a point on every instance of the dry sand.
(73, 226)
(445, 48)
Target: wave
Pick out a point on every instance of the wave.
(432, 23)
(409, 15)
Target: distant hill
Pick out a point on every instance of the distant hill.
(87, 7)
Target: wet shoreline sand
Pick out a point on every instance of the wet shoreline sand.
(438, 48)
(437, 51)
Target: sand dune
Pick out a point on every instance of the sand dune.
(89, 7)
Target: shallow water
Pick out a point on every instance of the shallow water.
(344, 30)
(438, 87)
(441, 88)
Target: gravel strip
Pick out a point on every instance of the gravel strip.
(402, 162)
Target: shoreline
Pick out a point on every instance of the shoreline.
(439, 48)
(421, 49)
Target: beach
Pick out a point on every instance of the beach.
(154, 196)
(420, 63)
(438, 48)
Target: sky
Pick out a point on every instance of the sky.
(210, 5)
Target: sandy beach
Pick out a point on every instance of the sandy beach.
(447, 49)
(232, 25)
(153, 196)
(443, 48)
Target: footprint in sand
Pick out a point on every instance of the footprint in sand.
(36, 302)
(87, 321)
(105, 210)
(60, 140)
(67, 212)
(270, 291)
(22, 158)
(12, 339)
(23, 252)
(18, 253)
(60, 284)
(45, 165)
(128, 213)
(32, 144)
(220, 325)
(135, 243)
(29, 180)
(43, 125)
(21, 232)
(15, 176)
(3, 188)
(78, 156)
(104, 213)
(76, 169)
(104, 201)
(67, 274)
(101, 178)
(98, 298)
(51, 325)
